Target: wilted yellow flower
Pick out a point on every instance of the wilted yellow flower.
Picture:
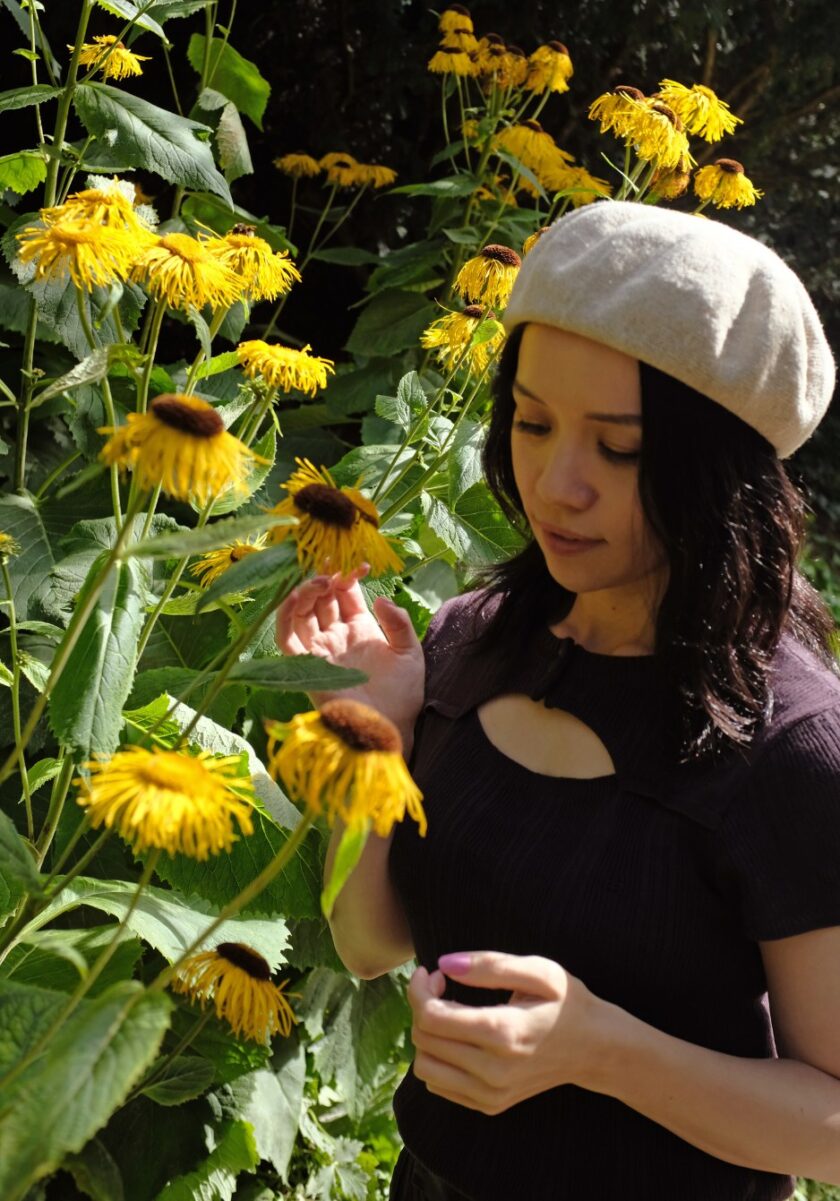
(532, 239)
(239, 981)
(725, 185)
(460, 39)
(102, 206)
(8, 546)
(450, 60)
(342, 169)
(450, 337)
(180, 443)
(182, 271)
(265, 274)
(549, 69)
(216, 562)
(489, 277)
(120, 63)
(700, 110)
(346, 761)
(530, 143)
(618, 111)
(376, 175)
(469, 130)
(298, 165)
(673, 183)
(284, 367)
(337, 528)
(502, 192)
(171, 800)
(587, 187)
(92, 253)
(455, 16)
(659, 137)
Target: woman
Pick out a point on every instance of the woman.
(629, 749)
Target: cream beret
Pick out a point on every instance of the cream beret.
(691, 296)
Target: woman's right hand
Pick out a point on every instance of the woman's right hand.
(328, 616)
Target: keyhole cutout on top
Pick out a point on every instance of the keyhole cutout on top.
(550, 742)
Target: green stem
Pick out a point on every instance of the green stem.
(24, 774)
(108, 402)
(444, 122)
(310, 250)
(60, 788)
(463, 121)
(175, 95)
(26, 385)
(225, 37)
(64, 102)
(292, 207)
(56, 472)
(158, 1070)
(149, 350)
(215, 325)
(71, 637)
(242, 899)
(33, 62)
(70, 171)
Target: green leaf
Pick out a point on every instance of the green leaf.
(92, 368)
(95, 1173)
(68, 1093)
(464, 460)
(35, 93)
(393, 321)
(219, 363)
(165, 920)
(132, 12)
(264, 568)
(271, 1101)
(150, 137)
(347, 256)
(295, 673)
(56, 959)
(209, 537)
(7, 678)
(42, 772)
(454, 185)
(185, 1077)
(232, 75)
(346, 857)
(232, 144)
(58, 310)
(36, 672)
(17, 862)
(215, 1179)
(493, 537)
(23, 171)
(266, 449)
(86, 704)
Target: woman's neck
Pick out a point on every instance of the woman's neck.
(614, 621)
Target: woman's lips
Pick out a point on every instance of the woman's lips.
(565, 542)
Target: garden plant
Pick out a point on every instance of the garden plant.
(174, 1022)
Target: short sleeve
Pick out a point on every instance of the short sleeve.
(781, 833)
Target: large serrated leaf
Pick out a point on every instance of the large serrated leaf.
(168, 922)
(19, 517)
(295, 673)
(208, 537)
(16, 860)
(92, 368)
(393, 321)
(271, 1100)
(87, 700)
(22, 171)
(234, 76)
(95, 1172)
(35, 93)
(263, 568)
(185, 1077)
(150, 137)
(215, 1179)
(68, 1093)
(132, 12)
(266, 448)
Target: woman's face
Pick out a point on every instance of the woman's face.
(575, 440)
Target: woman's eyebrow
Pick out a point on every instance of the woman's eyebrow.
(615, 418)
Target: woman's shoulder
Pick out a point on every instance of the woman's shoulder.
(802, 688)
(460, 620)
(459, 672)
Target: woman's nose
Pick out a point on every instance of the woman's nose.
(563, 482)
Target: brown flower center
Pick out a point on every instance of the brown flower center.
(731, 165)
(560, 48)
(241, 956)
(533, 125)
(475, 311)
(200, 423)
(517, 50)
(624, 89)
(244, 230)
(360, 727)
(665, 110)
(343, 163)
(458, 8)
(501, 254)
(493, 39)
(328, 505)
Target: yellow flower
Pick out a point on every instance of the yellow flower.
(120, 62)
(489, 276)
(338, 528)
(170, 800)
(514, 68)
(92, 253)
(725, 185)
(490, 47)
(450, 60)
(549, 68)
(529, 142)
(668, 185)
(283, 367)
(264, 273)
(450, 337)
(239, 981)
(376, 175)
(8, 546)
(342, 169)
(180, 270)
(587, 187)
(499, 189)
(216, 562)
(180, 443)
(469, 130)
(101, 206)
(346, 761)
(532, 239)
(460, 39)
(700, 110)
(455, 16)
(618, 111)
(659, 137)
(298, 165)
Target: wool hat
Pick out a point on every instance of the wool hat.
(703, 302)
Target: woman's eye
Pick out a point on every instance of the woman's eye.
(619, 456)
(529, 427)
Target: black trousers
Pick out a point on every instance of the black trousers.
(412, 1182)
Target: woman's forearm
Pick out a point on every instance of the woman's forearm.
(772, 1115)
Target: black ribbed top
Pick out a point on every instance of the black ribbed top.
(652, 885)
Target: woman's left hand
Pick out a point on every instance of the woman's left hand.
(491, 1057)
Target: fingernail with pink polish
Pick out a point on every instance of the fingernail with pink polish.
(456, 964)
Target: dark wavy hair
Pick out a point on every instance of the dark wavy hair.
(731, 524)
